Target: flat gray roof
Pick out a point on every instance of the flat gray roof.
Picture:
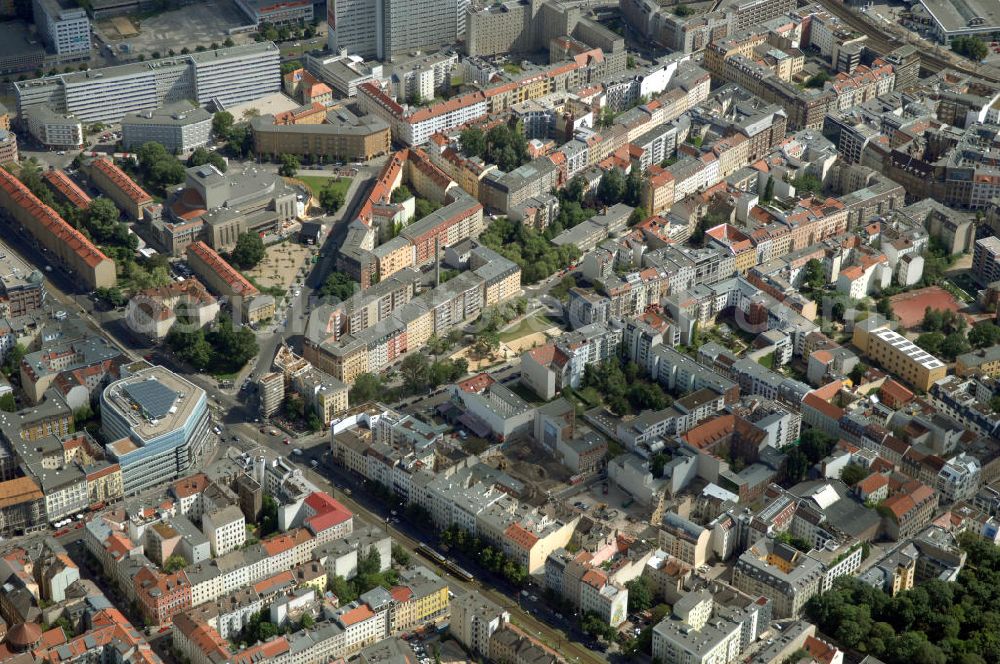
(959, 15)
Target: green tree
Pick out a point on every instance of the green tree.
(816, 444)
(640, 594)
(173, 564)
(931, 342)
(611, 188)
(400, 556)
(858, 372)
(367, 387)
(973, 48)
(473, 142)
(852, 474)
(289, 165)
(7, 402)
(818, 80)
(814, 275)
(331, 197)
(268, 515)
(307, 621)
(232, 348)
(112, 295)
(249, 250)
(768, 194)
(338, 285)
(415, 370)
(954, 345)
(984, 334)
(201, 156)
(632, 195)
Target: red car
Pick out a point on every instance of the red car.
(287, 441)
(79, 524)
(61, 532)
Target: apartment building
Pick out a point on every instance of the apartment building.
(8, 147)
(691, 636)
(225, 280)
(684, 540)
(229, 75)
(119, 187)
(897, 354)
(66, 189)
(53, 129)
(343, 136)
(474, 619)
(225, 529)
(787, 576)
(986, 260)
(65, 243)
(985, 361)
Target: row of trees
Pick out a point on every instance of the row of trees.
(223, 349)
(492, 559)
(934, 623)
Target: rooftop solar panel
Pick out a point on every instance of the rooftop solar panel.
(153, 397)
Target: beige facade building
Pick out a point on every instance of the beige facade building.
(897, 354)
(65, 243)
(119, 187)
(343, 136)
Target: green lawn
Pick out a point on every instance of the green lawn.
(317, 184)
(530, 325)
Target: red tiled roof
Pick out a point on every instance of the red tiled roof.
(122, 181)
(46, 217)
(446, 107)
(189, 486)
(279, 579)
(357, 615)
(476, 384)
(69, 189)
(401, 594)
(873, 482)
(285, 541)
(517, 535)
(230, 275)
(329, 512)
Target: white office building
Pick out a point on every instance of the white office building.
(178, 127)
(381, 28)
(225, 76)
(63, 26)
(157, 425)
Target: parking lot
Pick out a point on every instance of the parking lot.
(180, 28)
